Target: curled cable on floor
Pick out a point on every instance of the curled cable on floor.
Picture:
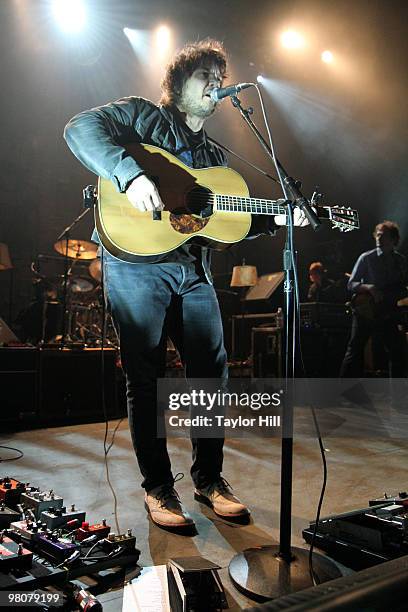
(21, 454)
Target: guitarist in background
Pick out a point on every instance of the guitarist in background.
(172, 293)
(377, 282)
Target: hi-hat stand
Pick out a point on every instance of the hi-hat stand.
(268, 572)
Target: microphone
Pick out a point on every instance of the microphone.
(218, 93)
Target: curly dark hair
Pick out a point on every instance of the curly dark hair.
(391, 227)
(185, 62)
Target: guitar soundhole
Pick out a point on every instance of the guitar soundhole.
(199, 201)
(196, 214)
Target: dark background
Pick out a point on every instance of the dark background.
(342, 127)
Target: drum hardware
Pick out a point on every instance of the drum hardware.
(73, 249)
(86, 325)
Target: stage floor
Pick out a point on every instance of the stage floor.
(70, 461)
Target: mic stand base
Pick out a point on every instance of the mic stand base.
(262, 574)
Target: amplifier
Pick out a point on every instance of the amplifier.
(241, 331)
(18, 384)
(325, 314)
(322, 351)
(267, 352)
(71, 384)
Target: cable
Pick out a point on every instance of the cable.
(106, 448)
(11, 458)
(297, 307)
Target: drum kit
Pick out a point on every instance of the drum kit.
(72, 303)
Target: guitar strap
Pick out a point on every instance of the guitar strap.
(246, 161)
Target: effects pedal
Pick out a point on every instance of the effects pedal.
(27, 529)
(126, 540)
(40, 501)
(11, 490)
(7, 516)
(194, 584)
(58, 517)
(13, 556)
(86, 530)
(393, 498)
(55, 548)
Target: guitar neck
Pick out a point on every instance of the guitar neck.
(258, 206)
(255, 206)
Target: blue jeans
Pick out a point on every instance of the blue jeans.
(149, 302)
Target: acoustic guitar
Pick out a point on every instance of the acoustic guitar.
(209, 206)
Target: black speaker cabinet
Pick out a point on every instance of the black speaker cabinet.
(18, 385)
(242, 328)
(267, 352)
(71, 384)
(322, 352)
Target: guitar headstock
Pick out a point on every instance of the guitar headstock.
(343, 218)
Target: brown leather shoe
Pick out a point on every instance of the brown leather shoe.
(220, 498)
(165, 508)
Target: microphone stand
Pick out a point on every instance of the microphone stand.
(88, 201)
(268, 572)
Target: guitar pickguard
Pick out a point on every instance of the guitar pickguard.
(187, 224)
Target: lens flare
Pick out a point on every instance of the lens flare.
(292, 40)
(327, 57)
(70, 15)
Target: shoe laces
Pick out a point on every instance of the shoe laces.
(221, 485)
(168, 492)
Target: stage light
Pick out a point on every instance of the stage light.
(70, 15)
(292, 40)
(327, 57)
(163, 38)
(260, 78)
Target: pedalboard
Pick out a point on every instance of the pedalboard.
(367, 536)
(65, 545)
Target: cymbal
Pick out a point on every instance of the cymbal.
(77, 249)
(95, 270)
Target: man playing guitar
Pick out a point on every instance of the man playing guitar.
(171, 292)
(378, 281)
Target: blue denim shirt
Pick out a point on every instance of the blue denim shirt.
(97, 138)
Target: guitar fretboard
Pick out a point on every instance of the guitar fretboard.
(256, 206)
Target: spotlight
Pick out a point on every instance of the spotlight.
(327, 57)
(163, 39)
(292, 40)
(70, 14)
(260, 78)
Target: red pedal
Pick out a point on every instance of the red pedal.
(87, 530)
(13, 555)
